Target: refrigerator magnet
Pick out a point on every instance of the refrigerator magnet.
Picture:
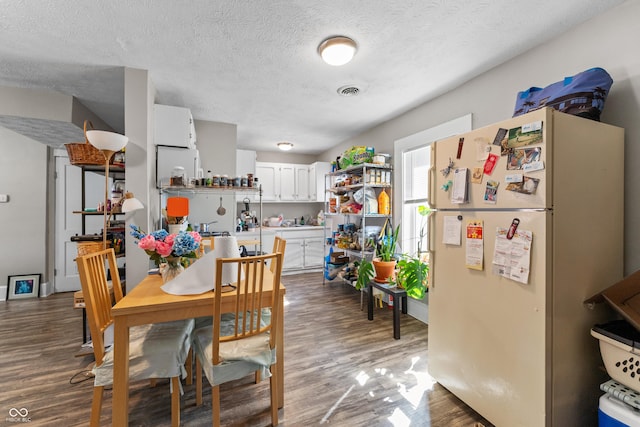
(525, 135)
(500, 135)
(490, 163)
(491, 192)
(512, 228)
(460, 144)
(446, 171)
(483, 148)
(476, 175)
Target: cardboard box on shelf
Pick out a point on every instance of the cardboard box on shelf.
(339, 258)
(624, 297)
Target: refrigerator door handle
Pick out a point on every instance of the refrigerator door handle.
(432, 178)
(431, 246)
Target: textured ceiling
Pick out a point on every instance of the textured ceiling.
(255, 64)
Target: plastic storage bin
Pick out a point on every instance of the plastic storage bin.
(613, 413)
(620, 350)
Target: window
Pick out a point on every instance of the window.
(415, 172)
(413, 160)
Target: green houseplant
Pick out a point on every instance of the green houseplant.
(385, 262)
(385, 250)
(413, 271)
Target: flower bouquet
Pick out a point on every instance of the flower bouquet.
(172, 249)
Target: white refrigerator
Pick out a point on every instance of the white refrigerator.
(508, 330)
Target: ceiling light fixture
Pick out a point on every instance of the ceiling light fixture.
(337, 50)
(285, 146)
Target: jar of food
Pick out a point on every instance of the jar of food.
(216, 181)
(178, 177)
(237, 181)
(249, 180)
(224, 181)
(244, 182)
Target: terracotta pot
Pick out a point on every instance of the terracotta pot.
(384, 270)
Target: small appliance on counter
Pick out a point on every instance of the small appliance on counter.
(248, 219)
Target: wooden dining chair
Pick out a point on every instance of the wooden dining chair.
(206, 245)
(279, 245)
(155, 351)
(242, 341)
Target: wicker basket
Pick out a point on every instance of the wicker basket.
(85, 248)
(83, 153)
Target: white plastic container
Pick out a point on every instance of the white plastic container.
(620, 351)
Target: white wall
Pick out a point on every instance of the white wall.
(139, 93)
(23, 220)
(603, 42)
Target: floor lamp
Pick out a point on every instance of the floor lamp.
(108, 143)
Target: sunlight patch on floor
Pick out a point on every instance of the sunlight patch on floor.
(399, 419)
(424, 383)
(325, 419)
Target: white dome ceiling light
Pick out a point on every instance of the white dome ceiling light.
(285, 146)
(337, 50)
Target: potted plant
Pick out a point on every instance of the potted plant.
(413, 271)
(385, 262)
(384, 256)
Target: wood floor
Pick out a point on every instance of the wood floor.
(340, 369)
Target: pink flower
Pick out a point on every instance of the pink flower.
(147, 243)
(164, 248)
(170, 238)
(196, 236)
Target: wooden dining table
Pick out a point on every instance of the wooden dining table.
(148, 303)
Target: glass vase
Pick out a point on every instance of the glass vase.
(171, 268)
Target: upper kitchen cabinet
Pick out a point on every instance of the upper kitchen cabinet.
(174, 126)
(317, 171)
(288, 182)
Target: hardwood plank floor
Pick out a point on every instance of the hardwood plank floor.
(341, 369)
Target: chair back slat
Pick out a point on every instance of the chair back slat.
(279, 245)
(253, 297)
(97, 294)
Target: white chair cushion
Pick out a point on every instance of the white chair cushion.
(157, 350)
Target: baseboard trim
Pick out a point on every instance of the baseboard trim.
(46, 289)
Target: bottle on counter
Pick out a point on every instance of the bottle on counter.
(208, 181)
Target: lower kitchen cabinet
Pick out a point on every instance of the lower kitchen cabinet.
(304, 249)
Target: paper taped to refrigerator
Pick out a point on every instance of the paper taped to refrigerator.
(474, 250)
(512, 258)
(452, 233)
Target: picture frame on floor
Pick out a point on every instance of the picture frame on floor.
(23, 286)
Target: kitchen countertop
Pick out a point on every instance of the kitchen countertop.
(298, 227)
(255, 231)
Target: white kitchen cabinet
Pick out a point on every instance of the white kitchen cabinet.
(173, 126)
(304, 250)
(268, 175)
(289, 182)
(302, 182)
(317, 171)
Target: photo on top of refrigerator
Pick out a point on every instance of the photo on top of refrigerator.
(527, 225)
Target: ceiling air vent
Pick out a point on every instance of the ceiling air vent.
(348, 91)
